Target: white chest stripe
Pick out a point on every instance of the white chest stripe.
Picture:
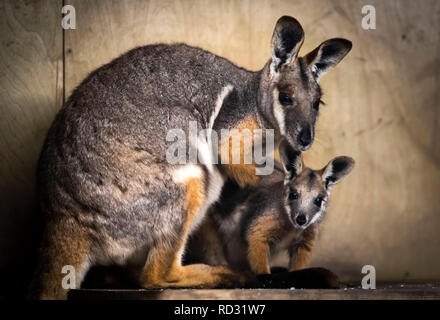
(184, 173)
(205, 150)
(218, 104)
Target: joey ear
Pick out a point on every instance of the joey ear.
(287, 39)
(336, 169)
(291, 159)
(327, 55)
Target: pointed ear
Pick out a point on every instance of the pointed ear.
(327, 55)
(287, 39)
(291, 159)
(336, 169)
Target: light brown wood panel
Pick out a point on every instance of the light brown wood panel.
(30, 94)
(382, 108)
(380, 112)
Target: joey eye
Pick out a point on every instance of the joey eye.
(285, 99)
(318, 201)
(293, 195)
(317, 103)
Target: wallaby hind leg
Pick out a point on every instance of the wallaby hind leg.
(63, 245)
(164, 266)
(163, 269)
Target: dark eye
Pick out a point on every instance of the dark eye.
(317, 103)
(285, 99)
(293, 195)
(318, 201)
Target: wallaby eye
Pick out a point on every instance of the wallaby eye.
(317, 103)
(285, 99)
(318, 201)
(293, 195)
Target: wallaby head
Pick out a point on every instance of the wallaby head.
(289, 93)
(306, 192)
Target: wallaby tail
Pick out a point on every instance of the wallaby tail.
(64, 249)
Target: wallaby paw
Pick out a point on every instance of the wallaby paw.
(325, 278)
(311, 278)
(230, 279)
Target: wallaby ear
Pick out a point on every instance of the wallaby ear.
(336, 169)
(327, 55)
(291, 159)
(287, 39)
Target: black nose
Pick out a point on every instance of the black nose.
(301, 220)
(305, 137)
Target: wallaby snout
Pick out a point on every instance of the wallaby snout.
(305, 138)
(301, 219)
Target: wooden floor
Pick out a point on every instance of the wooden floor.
(349, 292)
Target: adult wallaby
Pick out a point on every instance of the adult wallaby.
(283, 212)
(106, 190)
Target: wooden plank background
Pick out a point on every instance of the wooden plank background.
(382, 107)
(31, 74)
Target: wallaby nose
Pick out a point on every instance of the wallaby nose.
(301, 220)
(305, 137)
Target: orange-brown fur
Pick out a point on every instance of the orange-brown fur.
(303, 250)
(243, 173)
(164, 267)
(65, 243)
(260, 234)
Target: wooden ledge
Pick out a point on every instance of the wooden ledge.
(395, 291)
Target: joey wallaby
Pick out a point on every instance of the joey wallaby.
(281, 213)
(106, 190)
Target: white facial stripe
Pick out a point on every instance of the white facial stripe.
(317, 216)
(287, 207)
(278, 112)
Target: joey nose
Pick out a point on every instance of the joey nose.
(301, 220)
(305, 138)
